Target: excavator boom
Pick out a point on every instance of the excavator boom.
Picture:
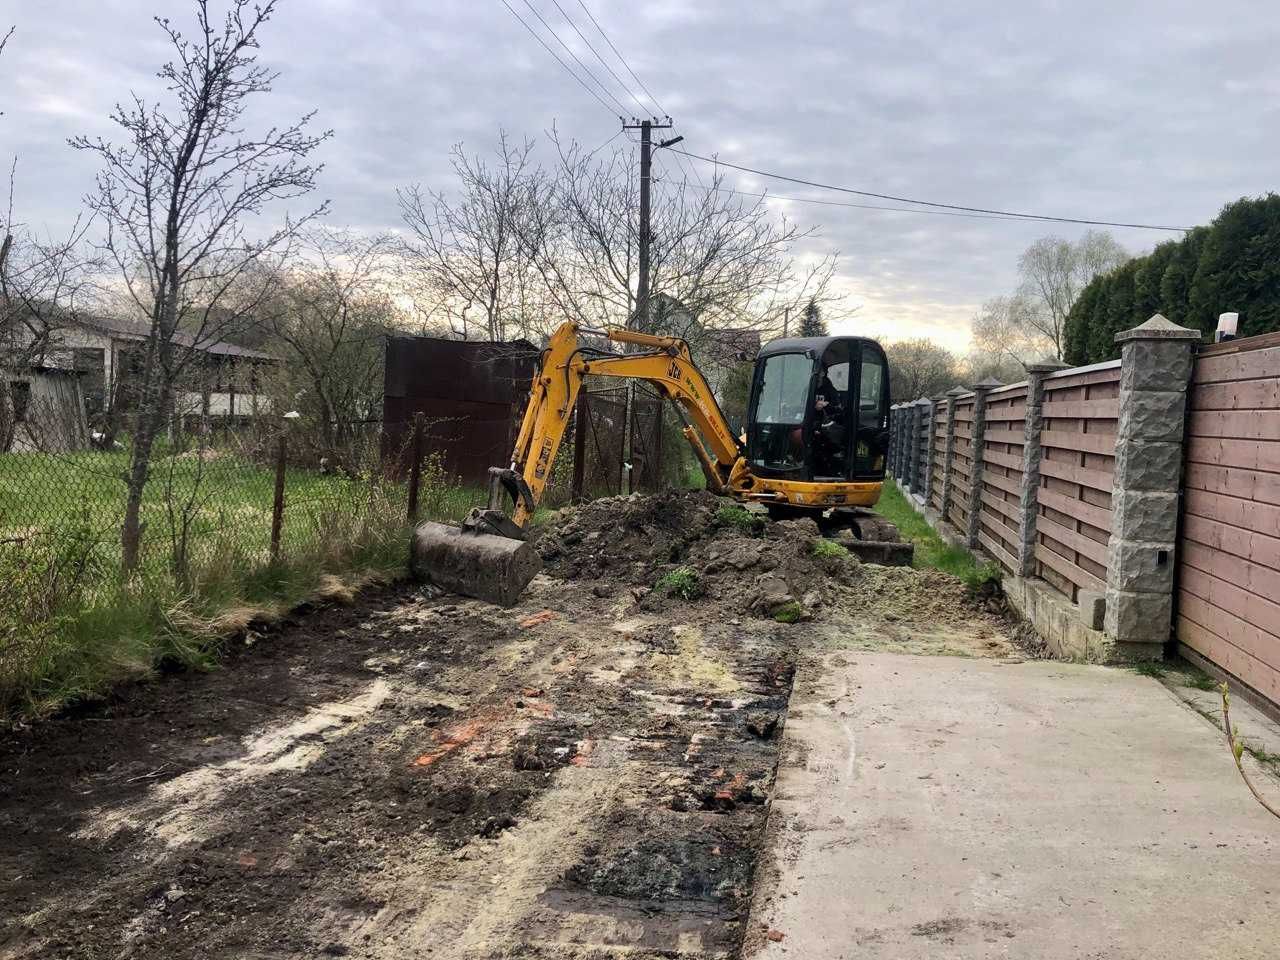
(488, 557)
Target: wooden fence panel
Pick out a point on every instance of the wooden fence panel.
(998, 524)
(1077, 470)
(937, 454)
(1228, 598)
(961, 464)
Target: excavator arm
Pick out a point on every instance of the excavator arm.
(488, 557)
(665, 363)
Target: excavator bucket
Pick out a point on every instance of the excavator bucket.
(475, 564)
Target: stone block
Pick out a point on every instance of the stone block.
(1093, 608)
(1138, 617)
(1144, 515)
(1139, 566)
(1152, 415)
(1155, 365)
(1148, 464)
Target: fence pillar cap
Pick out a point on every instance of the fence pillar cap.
(938, 398)
(1157, 328)
(987, 384)
(956, 392)
(1047, 365)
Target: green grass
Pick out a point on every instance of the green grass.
(931, 549)
(740, 518)
(72, 626)
(827, 548)
(681, 582)
(789, 612)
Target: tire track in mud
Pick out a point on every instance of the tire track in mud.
(413, 776)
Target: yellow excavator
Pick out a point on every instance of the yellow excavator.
(814, 444)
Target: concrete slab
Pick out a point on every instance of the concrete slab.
(943, 807)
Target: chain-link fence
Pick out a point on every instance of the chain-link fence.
(232, 512)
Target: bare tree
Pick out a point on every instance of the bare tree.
(329, 321)
(1054, 271)
(175, 198)
(920, 368)
(469, 254)
(524, 247)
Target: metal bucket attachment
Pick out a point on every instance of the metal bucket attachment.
(480, 565)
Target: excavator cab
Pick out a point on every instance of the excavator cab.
(819, 411)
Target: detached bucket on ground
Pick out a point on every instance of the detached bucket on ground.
(481, 565)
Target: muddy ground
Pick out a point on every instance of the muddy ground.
(587, 774)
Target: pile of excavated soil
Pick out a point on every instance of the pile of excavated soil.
(678, 547)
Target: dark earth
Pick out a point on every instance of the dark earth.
(586, 774)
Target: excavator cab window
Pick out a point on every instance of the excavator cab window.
(776, 434)
(871, 437)
(821, 416)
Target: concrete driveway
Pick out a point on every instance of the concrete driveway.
(947, 807)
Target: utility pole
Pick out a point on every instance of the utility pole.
(646, 128)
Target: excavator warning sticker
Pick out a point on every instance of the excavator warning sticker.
(540, 469)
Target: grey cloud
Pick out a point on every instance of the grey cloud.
(1158, 111)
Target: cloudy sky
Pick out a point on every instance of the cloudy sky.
(1156, 111)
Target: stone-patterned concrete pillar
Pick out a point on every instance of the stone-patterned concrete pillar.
(1031, 426)
(949, 449)
(1155, 367)
(980, 391)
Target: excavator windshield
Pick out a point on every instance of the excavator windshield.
(819, 412)
(776, 438)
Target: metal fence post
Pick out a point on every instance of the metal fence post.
(415, 468)
(277, 502)
(580, 415)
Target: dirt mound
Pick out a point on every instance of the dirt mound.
(695, 547)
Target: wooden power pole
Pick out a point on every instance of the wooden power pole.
(646, 128)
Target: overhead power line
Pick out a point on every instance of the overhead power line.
(613, 73)
(576, 59)
(859, 206)
(1007, 214)
(560, 61)
(634, 76)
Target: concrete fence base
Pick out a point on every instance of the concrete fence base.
(1125, 616)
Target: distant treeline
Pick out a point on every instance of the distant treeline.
(1233, 264)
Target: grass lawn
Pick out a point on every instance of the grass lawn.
(71, 625)
(931, 549)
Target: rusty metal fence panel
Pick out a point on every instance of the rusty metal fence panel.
(1077, 466)
(1000, 516)
(1228, 599)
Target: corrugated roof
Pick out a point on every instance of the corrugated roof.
(129, 329)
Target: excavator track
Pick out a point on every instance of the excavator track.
(868, 536)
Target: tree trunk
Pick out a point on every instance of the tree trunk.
(153, 402)
(8, 423)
